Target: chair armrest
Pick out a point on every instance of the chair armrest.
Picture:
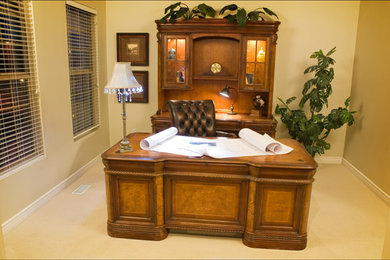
(226, 134)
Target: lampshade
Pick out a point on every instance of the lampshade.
(123, 78)
(225, 92)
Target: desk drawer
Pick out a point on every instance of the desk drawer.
(228, 125)
(261, 128)
(160, 125)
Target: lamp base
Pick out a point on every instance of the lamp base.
(124, 146)
(232, 110)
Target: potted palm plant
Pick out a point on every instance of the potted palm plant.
(313, 127)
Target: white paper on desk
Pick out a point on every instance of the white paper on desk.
(168, 142)
(250, 143)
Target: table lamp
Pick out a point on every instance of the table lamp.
(227, 93)
(123, 83)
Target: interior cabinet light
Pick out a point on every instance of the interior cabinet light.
(261, 55)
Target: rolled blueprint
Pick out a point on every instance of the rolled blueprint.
(160, 137)
(264, 142)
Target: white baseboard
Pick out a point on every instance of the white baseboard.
(328, 159)
(26, 212)
(371, 185)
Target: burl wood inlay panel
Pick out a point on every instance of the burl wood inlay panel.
(134, 198)
(205, 200)
(278, 206)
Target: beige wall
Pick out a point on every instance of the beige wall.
(368, 141)
(2, 249)
(386, 244)
(63, 155)
(306, 26)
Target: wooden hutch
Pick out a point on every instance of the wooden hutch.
(200, 57)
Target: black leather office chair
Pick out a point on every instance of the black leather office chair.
(195, 118)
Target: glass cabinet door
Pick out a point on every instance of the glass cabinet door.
(255, 67)
(176, 71)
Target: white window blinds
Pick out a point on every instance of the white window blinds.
(20, 123)
(82, 69)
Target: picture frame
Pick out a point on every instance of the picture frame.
(133, 47)
(143, 79)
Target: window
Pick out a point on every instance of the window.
(82, 67)
(20, 117)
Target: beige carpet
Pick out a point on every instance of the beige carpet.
(346, 220)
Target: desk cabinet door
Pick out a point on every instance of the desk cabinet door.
(134, 200)
(199, 203)
(279, 207)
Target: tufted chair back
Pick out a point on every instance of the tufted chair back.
(193, 117)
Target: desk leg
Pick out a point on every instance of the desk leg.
(135, 206)
(250, 218)
(277, 214)
(159, 186)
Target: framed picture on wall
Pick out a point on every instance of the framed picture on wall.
(133, 47)
(143, 79)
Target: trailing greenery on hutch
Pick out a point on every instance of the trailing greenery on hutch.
(234, 13)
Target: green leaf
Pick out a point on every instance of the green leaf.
(303, 101)
(317, 118)
(173, 17)
(347, 102)
(253, 16)
(331, 51)
(316, 103)
(241, 17)
(269, 12)
(345, 116)
(277, 109)
(231, 7)
(231, 18)
(310, 69)
(171, 7)
(307, 85)
(291, 99)
(181, 12)
(207, 10)
(164, 19)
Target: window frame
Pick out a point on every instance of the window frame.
(22, 89)
(95, 96)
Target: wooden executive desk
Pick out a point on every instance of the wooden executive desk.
(263, 199)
